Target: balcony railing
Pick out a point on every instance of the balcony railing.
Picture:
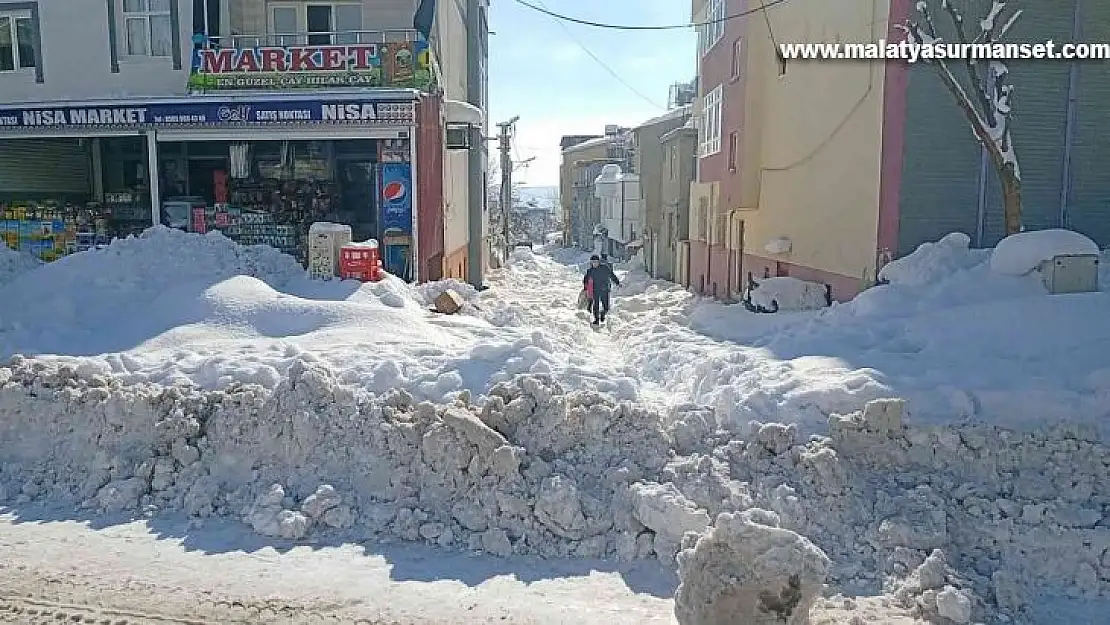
(333, 38)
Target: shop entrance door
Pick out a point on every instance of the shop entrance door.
(202, 176)
(357, 205)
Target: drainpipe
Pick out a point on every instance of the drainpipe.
(1069, 127)
(622, 213)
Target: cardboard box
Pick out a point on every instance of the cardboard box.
(449, 302)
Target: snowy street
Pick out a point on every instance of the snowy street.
(247, 445)
(223, 574)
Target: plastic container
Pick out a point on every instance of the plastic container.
(361, 261)
(325, 240)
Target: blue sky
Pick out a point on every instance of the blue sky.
(539, 71)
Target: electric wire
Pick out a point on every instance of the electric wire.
(584, 22)
(560, 19)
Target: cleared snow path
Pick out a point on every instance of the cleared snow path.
(542, 292)
(941, 335)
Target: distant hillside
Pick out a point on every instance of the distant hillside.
(542, 195)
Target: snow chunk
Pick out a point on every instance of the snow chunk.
(559, 508)
(663, 509)
(932, 262)
(324, 499)
(789, 293)
(742, 571)
(1022, 253)
(954, 605)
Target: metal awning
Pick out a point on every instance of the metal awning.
(458, 112)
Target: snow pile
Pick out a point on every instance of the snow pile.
(533, 469)
(941, 334)
(749, 570)
(14, 263)
(183, 309)
(934, 262)
(429, 291)
(1022, 253)
(98, 289)
(785, 293)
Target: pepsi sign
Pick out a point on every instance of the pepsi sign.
(396, 197)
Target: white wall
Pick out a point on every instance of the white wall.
(633, 209)
(449, 42)
(76, 59)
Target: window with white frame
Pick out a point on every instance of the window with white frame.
(316, 23)
(710, 127)
(737, 58)
(713, 28)
(17, 41)
(147, 28)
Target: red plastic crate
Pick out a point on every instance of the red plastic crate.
(360, 262)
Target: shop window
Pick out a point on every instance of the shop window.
(147, 28)
(206, 17)
(17, 41)
(317, 23)
(284, 25)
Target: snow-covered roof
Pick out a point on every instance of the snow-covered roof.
(678, 113)
(587, 144)
(689, 127)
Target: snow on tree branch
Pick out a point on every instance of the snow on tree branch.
(988, 106)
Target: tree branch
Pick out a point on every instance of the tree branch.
(973, 72)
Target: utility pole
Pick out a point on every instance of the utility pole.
(505, 145)
(476, 48)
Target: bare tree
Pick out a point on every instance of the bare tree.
(987, 109)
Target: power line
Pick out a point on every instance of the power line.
(770, 31)
(560, 19)
(577, 20)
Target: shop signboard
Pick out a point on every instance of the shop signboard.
(396, 197)
(202, 114)
(405, 64)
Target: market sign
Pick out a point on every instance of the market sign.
(404, 64)
(225, 114)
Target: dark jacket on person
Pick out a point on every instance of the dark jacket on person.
(603, 278)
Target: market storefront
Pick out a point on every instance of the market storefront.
(259, 169)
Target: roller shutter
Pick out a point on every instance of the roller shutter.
(43, 168)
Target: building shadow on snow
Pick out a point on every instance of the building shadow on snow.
(407, 562)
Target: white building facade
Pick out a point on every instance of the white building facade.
(621, 210)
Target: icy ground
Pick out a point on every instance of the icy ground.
(271, 435)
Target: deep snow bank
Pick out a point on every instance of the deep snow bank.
(941, 334)
(183, 309)
(533, 469)
(14, 263)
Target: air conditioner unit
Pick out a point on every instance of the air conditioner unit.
(458, 137)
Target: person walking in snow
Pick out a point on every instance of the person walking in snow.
(599, 280)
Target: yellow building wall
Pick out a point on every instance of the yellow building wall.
(816, 134)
